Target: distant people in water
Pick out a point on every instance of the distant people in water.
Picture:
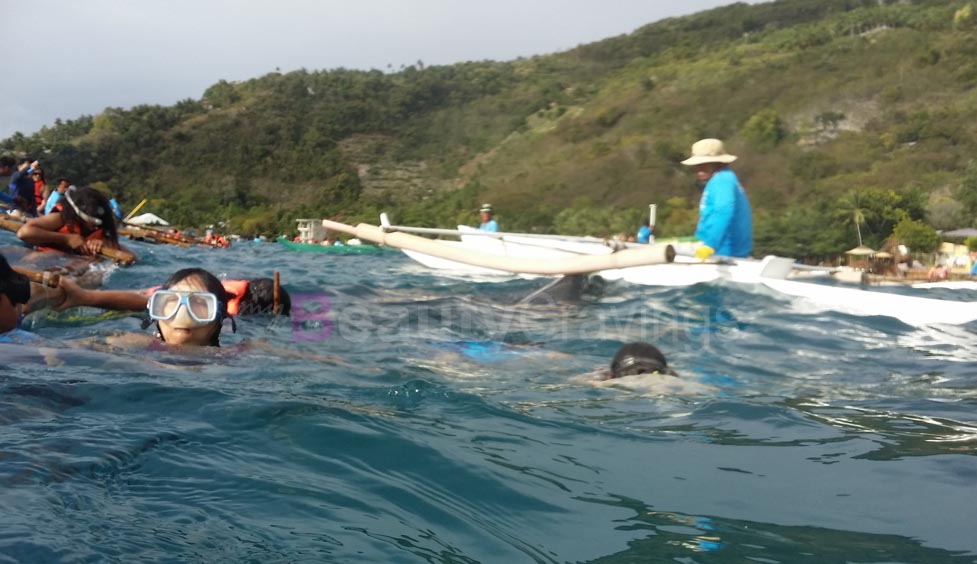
(725, 224)
(488, 224)
(644, 232)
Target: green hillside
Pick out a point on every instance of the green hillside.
(838, 109)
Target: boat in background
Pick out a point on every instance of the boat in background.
(345, 249)
(770, 273)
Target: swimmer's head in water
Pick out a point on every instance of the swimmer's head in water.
(89, 209)
(182, 329)
(260, 298)
(639, 358)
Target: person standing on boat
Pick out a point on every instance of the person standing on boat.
(725, 225)
(488, 224)
(644, 232)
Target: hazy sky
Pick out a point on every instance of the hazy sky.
(70, 58)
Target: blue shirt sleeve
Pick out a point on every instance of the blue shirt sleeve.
(490, 226)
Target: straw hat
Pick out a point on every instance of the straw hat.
(709, 151)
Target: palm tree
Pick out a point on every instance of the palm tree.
(851, 210)
(858, 216)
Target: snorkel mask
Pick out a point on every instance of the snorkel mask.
(93, 221)
(201, 308)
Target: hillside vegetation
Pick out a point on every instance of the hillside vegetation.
(840, 111)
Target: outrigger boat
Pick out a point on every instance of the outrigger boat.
(519, 253)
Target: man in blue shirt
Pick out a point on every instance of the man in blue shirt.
(114, 204)
(488, 224)
(56, 196)
(644, 232)
(725, 225)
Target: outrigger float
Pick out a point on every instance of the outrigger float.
(478, 252)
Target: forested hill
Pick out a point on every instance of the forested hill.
(839, 110)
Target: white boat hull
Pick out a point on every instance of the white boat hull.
(770, 273)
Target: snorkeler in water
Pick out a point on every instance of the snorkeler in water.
(638, 358)
(188, 309)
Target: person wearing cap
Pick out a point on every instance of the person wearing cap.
(725, 225)
(488, 224)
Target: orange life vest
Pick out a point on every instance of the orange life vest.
(97, 234)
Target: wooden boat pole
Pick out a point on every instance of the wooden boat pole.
(274, 294)
(42, 277)
(117, 255)
(490, 234)
(650, 254)
(134, 210)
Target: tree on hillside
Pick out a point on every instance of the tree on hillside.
(967, 193)
(916, 235)
(851, 210)
(765, 129)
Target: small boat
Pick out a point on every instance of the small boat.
(347, 249)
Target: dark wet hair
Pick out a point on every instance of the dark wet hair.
(210, 284)
(13, 284)
(639, 358)
(260, 298)
(93, 203)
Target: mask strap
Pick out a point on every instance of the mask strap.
(93, 220)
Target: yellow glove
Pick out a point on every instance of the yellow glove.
(704, 252)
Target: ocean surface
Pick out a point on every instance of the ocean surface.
(403, 416)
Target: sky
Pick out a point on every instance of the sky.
(71, 58)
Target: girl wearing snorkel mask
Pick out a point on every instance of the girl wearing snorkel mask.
(82, 222)
(188, 309)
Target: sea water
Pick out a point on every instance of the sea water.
(405, 416)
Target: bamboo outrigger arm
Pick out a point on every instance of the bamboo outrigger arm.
(653, 254)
